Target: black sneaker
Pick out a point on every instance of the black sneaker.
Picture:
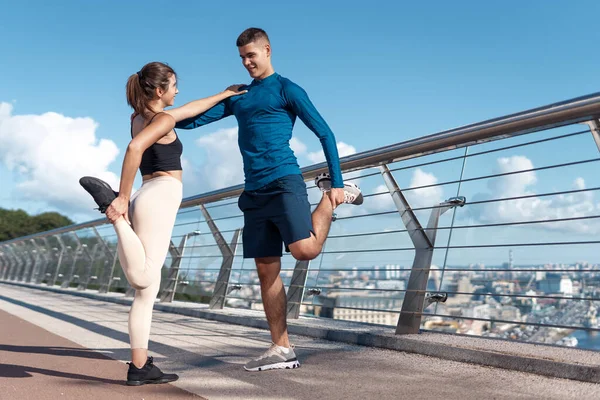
(101, 191)
(148, 374)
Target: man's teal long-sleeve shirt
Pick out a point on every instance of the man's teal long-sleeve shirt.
(266, 117)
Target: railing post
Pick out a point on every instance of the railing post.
(24, 257)
(22, 262)
(413, 304)
(32, 255)
(108, 275)
(46, 253)
(424, 241)
(36, 263)
(217, 301)
(16, 264)
(4, 258)
(295, 294)
(594, 126)
(76, 252)
(60, 258)
(415, 230)
(2, 263)
(168, 293)
(85, 279)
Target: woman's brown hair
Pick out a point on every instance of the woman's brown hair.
(142, 84)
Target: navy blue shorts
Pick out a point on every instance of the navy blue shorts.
(276, 214)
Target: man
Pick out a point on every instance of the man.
(275, 202)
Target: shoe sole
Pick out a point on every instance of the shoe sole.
(281, 365)
(150, 382)
(325, 184)
(88, 182)
(359, 199)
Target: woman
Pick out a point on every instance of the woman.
(143, 243)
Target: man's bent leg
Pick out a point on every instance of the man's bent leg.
(309, 248)
(273, 297)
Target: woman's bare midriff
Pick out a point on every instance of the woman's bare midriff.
(175, 174)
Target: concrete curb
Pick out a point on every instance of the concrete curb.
(358, 335)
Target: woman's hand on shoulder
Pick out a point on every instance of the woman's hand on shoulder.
(235, 90)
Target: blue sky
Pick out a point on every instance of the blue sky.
(380, 72)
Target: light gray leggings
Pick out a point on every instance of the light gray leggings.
(143, 248)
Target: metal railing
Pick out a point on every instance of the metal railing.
(422, 270)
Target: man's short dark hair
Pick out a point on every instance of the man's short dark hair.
(251, 35)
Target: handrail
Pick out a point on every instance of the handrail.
(579, 109)
(568, 112)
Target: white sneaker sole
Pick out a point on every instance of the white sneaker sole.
(359, 197)
(281, 365)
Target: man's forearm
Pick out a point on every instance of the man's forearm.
(304, 108)
(333, 160)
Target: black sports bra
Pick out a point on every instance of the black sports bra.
(160, 157)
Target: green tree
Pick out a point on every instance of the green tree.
(17, 223)
(49, 220)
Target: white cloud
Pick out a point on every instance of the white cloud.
(50, 152)
(297, 146)
(222, 167)
(344, 150)
(515, 184)
(534, 208)
(5, 110)
(192, 184)
(382, 202)
(417, 198)
(424, 197)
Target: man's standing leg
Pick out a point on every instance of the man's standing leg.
(262, 241)
(274, 298)
(268, 268)
(280, 355)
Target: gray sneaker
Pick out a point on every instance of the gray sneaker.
(352, 193)
(273, 358)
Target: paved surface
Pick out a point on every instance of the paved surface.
(547, 360)
(209, 356)
(35, 363)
